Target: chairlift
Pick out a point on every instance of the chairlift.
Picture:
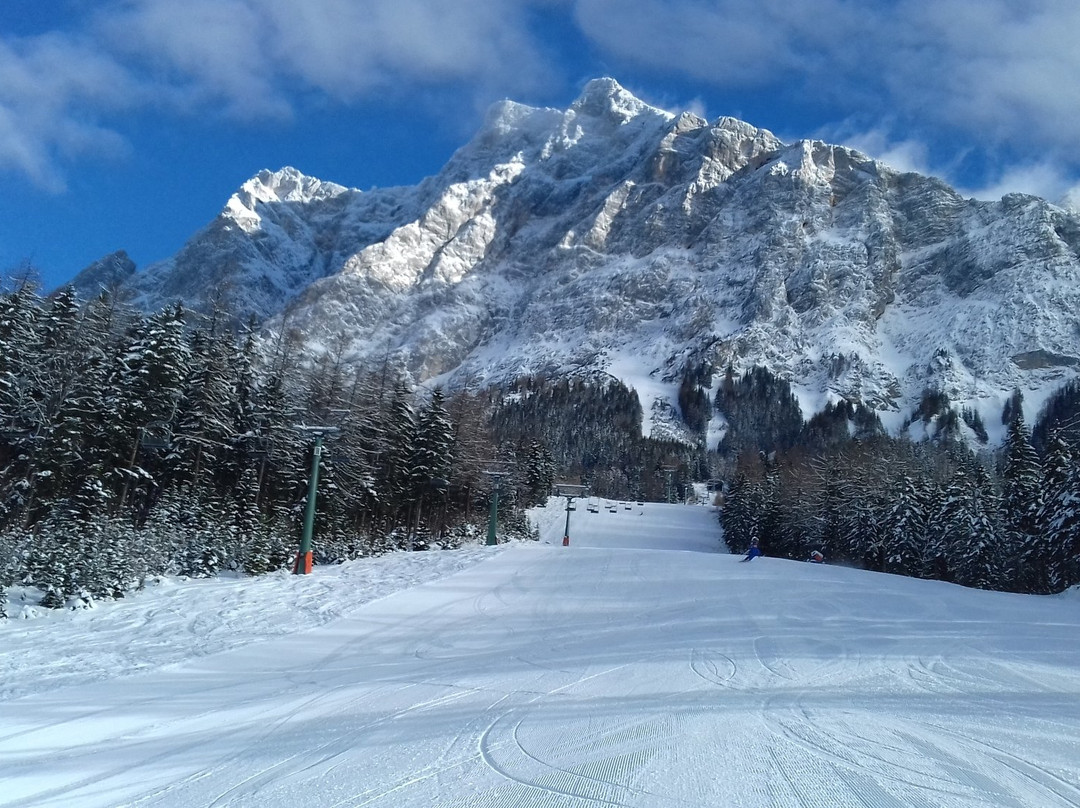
(258, 448)
(155, 440)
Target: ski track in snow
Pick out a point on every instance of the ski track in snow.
(640, 666)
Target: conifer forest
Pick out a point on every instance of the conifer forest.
(136, 445)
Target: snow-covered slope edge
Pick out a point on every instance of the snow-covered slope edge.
(176, 619)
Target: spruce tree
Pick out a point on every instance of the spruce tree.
(144, 391)
(979, 543)
(906, 525)
(739, 514)
(539, 474)
(204, 418)
(1063, 535)
(1021, 479)
(1045, 561)
(247, 526)
(396, 491)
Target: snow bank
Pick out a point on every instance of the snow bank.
(173, 620)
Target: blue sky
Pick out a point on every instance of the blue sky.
(126, 124)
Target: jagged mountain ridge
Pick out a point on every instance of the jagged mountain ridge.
(616, 237)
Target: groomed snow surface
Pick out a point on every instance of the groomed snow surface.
(640, 666)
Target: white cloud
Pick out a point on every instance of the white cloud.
(197, 51)
(1001, 72)
(51, 88)
(1047, 180)
(250, 54)
(248, 59)
(903, 155)
(696, 106)
(727, 43)
(380, 43)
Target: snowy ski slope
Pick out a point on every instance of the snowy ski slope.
(639, 666)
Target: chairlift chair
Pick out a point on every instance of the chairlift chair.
(153, 441)
(258, 448)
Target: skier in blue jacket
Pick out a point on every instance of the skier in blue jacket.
(753, 552)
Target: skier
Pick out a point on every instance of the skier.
(817, 557)
(753, 552)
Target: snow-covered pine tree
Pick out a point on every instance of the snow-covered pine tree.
(871, 526)
(472, 446)
(21, 416)
(249, 445)
(770, 520)
(8, 553)
(829, 496)
(1013, 405)
(76, 452)
(967, 545)
(906, 523)
(539, 473)
(251, 533)
(739, 514)
(204, 417)
(165, 533)
(935, 562)
(1045, 563)
(115, 567)
(144, 388)
(19, 313)
(432, 459)
(282, 470)
(432, 450)
(978, 535)
(395, 484)
(58, 561)
(1022, 484)
(355, 451)
(211, 540)
(1063, 537)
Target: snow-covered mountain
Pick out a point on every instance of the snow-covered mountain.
(616, 237)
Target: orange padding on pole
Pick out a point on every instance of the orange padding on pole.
(303, 564)
(565, 541)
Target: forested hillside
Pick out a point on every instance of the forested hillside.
(944, 507)
(135, 445)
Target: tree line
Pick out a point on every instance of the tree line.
(139, 444)
(944, 508)
(134, 445)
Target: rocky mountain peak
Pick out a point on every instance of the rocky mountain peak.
(615, 238)
(606, 99)
(105, 273)
(274, 187)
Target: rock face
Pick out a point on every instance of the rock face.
(615, 237)
(110, 272)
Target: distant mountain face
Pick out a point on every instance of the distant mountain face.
(618, 238)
